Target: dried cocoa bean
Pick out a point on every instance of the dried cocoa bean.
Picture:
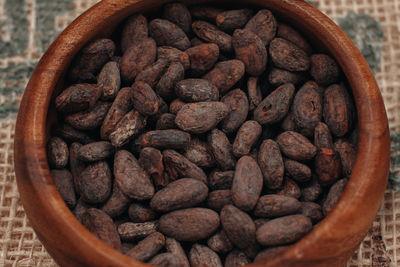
(334, 194)
(89, 119)
(117, 203)
(247, 183)
(135, 29)
(95, 182)
(219, 198)
(177, 165)
(226, 74)
(250, 49)
(236, 258)
(152, 73)
(271, 164)
(238, 105)
(295, 146)
(290, 189)
(208, 13)
(133, 181)
(260, 221)
(201, 255)
(136, 231)
(275, 106)
(75, 164)
(77, 97)
(175, 106)
(171, 54)
(166, 121)
(327, 166)
(201, 117)
(95, 151)
(311, 191)
(196, 90)
(283, 230)
(297, 171)
(222, 149)
(233, 19)
(148, 247)
(199, 153)
(212, 34)
(278, 77)
(246, 137)
(312, 210)
(166, 33)
(57, 152)
(139, 213)
(220, 243)
(101, 225)
(254, 93)
(109, 81)
(202, 58)
(286, 32)
(64, 183)
(178, 14)
(174, 139)
(269, 253)
(174, 74)
(189, 224)
(130, 125)
(288, 56)
(68, 133)
(151, 160)
(165, 260)
(174, 247)
(347, 153)
(220, 179)
(264, 25)
(271, 206)
(324, 69)
(144, 99)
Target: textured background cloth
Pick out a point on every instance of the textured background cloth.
(27, 27)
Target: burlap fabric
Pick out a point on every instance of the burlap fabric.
(19, 245)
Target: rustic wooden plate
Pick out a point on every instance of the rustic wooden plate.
(331, 243)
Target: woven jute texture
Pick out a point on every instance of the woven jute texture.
(19, 245)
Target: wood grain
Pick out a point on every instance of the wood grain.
(331, 243)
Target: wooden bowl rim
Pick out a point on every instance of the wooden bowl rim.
(45, 207)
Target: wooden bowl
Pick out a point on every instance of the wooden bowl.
(331, 243)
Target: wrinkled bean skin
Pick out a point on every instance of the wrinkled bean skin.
(226, 74)
(95, 182)
(219, 198)
(233, 19)
(174, 247)
(174, 139)
(202, 57)
(152, 73)
(295, 146)
(288, 56)
(212, 34)
(238, 104)
(297, 171)
(278, 77)
(174, 74)
(264, 25)
(171, 54)
(347, 153)
(139, 213)
(77, 97)
(130, 125)
(222, 149)
(166, 33)
(220, 179)
(246, 137)
(57, 152)
(135, 30)
(109, 81)
(91, 118)
(324, 69)
(200, 153)
(270, 206)
(178, 14)
(236, 258)
(286, 32)
(151, 160)
(333, 196)
(271, 164)
(201, 255)
(220, 243)
(148, 247)
(96, 151)
(196, 90)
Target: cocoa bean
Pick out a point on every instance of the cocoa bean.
(278, 77)
(286, 32)
(95, 151)
(178, 14)
(175, 139)
(136, 231)
(117, 203)
(233, 19)
(238, 105)
(311, 191)
(130, 125)
(165, 260)
(324, 69)
(151, 160)
(64, 183)
(219, 198)
(312, 210)
(201, 255)
(226, 74)
(152, 74)
(220, 179)
(208, 13)
(288, 56)
(75, 164)
(196, 90)
(139, 213)
(246, 137)
(271, 206)
(199, 153)
(297, 171)
(174, 74)
(212, 34)
(57, 153)
(254, 93)
(148, 247)
(89, 119)
(290, 189)
(236, 258)
(295, 146)
(334, 194)
(264, 25)
(166, 33)
(109, 81)
(77, 97)
(269, 253)
(174, 247)
(171, 54)
(95, 182)
(175, 106)
(347, 153)
(135, 29)
(68, 133)
(220, 243)
(202, 58)
(166, 121)
(271, 164)
(222, 149)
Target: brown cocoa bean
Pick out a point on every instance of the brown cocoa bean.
(288, 124)
(196, 41)
(208, 13)
(238, 226)
(133, 181)
(200, 117)
(201, 255)
(271, 164)
(139, 213)
(196, 90)
(199, 153)
(238, 105)
(130, 125)
(219, 198)
(334, 194)
(275, 106)
(233, 19)
(183, 193)
(254, 93)
(89, 119)
(148, 247)
(144, 99)
(247, 183)
(102, 226)
(174, 74)
(307, 108)
(202, 58)
(338, 110)
(135, 231)
(95, 182)
(260, 221)
(264, 25)
(117, 203)
(220, 179)
(64, 183)
(166, 33)
(173, 55)
(166, 121)
(109, 81)
(165, 260)
(151, 160)
(226, 74)
(152, 73)
(174, 139)
(297, 171)
(189, 224)
(246, 137)
(75, 164)
(283, 230)
(136, 58)
(327, 166)
(90, 60)
(322, 136)
(286, 32)
(177, 165)
(77, 97)
(220, 243)
(271, 206)
(250, 49)
(135, 29)
(80, 208)
(290, 189)
(57, 152)
(222, 149)
(212, 34)
(295, 146)
(95, 151)
(324, 69)
(174, 247)
(121, 105)
(288, 56)
(278, 77)
(347, 153)
(68, 133)
(178, 14)
(312, 210)
(236, 258)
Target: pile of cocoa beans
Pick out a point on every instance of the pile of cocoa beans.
(203, 137)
